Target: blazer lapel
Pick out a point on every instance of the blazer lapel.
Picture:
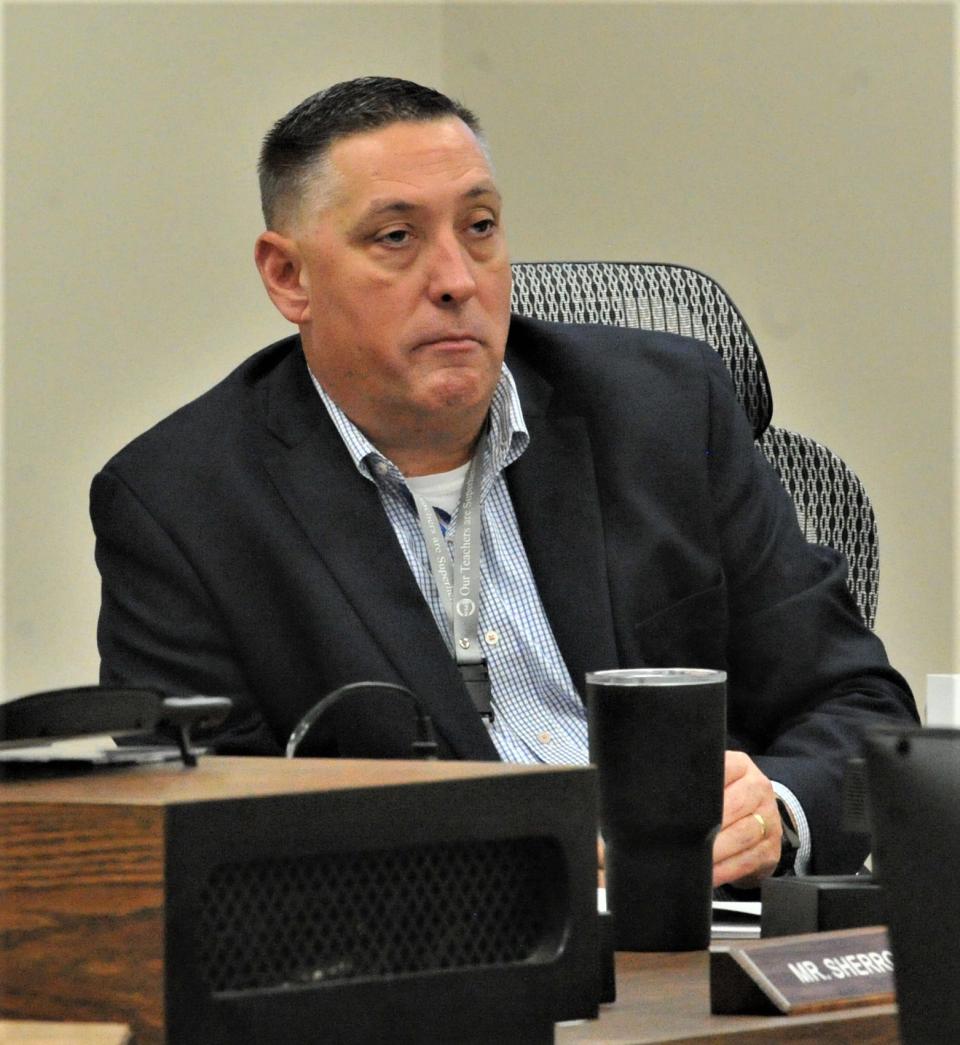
(554, 491)
(341, 513)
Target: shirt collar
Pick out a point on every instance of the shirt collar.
(508, 432)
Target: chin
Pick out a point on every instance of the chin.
(464, 393)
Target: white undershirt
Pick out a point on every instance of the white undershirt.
(441, 490)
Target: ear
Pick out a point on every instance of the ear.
(281, 269)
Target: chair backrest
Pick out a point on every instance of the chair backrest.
(649, 296)
(832, 506)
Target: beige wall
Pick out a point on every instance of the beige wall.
(132, 139)
(801, 153)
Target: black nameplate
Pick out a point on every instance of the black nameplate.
(797, 974)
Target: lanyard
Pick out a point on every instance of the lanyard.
(458, 578)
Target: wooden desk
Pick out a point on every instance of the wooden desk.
(109, 892)
(666, 998)
(82, 898)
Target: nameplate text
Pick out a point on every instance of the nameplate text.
(809, 973)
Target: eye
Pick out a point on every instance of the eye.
(394, 238)
(483, 227)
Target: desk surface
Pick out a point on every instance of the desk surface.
(661, 998)
(666, 998)
(216, 778)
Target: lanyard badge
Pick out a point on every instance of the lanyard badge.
(458, 580)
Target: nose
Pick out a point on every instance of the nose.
(452, 278)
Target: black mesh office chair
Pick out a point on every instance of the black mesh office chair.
(832, 506)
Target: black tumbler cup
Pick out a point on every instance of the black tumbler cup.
(657, 737)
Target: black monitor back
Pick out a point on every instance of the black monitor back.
(914, 787)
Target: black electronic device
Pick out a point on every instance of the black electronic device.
(820, 903)
(450, 918)
(117, 711)
(913, 778)
(824, 903)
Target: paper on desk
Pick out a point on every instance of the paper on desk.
(83, 749)
(736, 919)
(741, 910)
(744, 910)
(731, 918)
(94, 750)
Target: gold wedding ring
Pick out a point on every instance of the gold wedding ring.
(762, 823)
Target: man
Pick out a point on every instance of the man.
(283, 535)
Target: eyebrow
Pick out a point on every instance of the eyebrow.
(379, 207)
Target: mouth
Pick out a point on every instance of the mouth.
(453, 341)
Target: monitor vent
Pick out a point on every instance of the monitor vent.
(272, 923)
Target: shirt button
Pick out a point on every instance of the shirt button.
(381, 468)
(492, 637)
(544, 737)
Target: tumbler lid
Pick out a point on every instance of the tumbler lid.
(656, 677)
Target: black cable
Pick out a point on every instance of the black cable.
(424, 747)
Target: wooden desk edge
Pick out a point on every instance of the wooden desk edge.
(224, 777)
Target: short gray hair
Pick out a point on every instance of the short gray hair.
(296, 146)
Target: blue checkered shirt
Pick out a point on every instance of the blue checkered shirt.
(538, 715)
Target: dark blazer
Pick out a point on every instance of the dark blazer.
(242, 553)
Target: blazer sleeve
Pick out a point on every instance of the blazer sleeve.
(157, 624)
(807, 678)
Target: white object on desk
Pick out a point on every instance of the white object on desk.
(943, 700)
(732, 919)
(736, 920)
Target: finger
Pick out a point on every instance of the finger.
(745, 795)
(746, 792)
(749, 849)
(759, 827)
(735, 764)
(748, 868)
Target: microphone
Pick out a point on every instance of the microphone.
(424, 747)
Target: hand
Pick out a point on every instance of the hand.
(743, 854)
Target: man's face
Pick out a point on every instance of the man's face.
(407, 277)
